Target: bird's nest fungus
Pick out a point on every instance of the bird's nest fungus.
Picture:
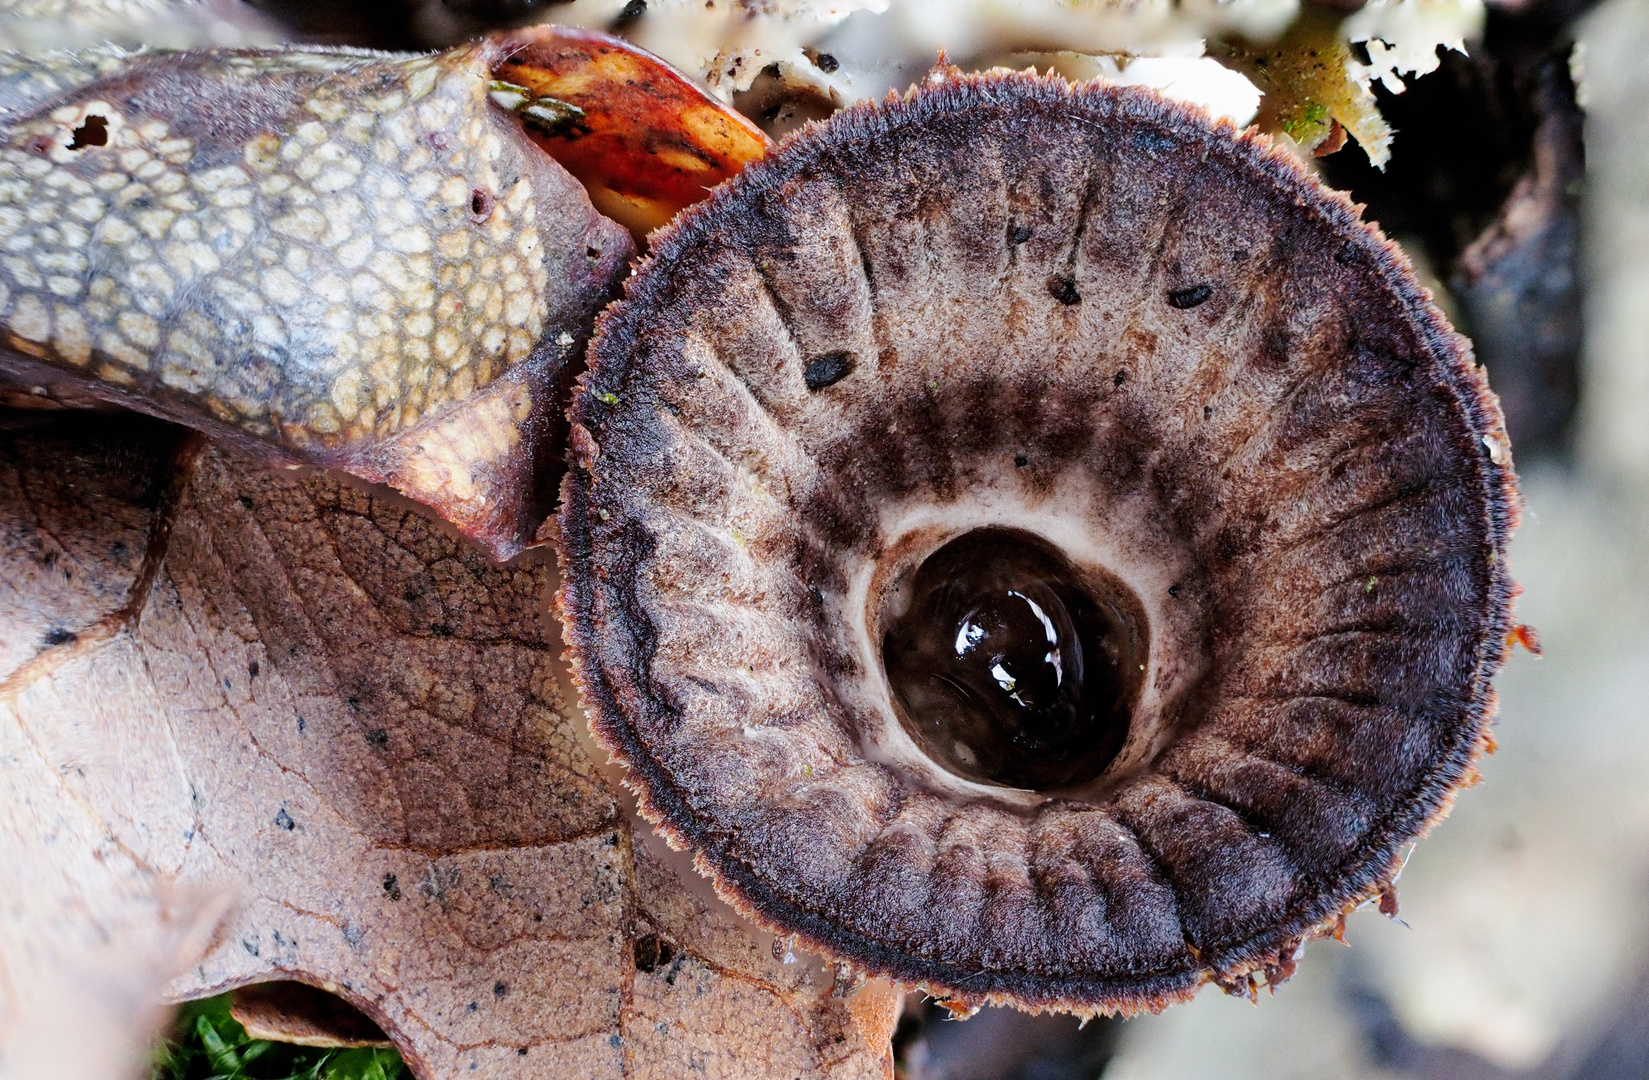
(1037, 545)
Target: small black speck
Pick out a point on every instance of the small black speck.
(826, 63)
(1018, 235)
(632, 11)
(227, 685)
(612, 840)
(246, 501)
(813, 591)
(1173, 590)
(522, 1051)
(354, 704)
(253, 668)
(499, 989)
(827, 370)
(119, 550)
(1020, 461)
(441, 630)
(93, 131)
(473, 1006)
(589, 253)
(60, 636)
(284, 820)
(392, 887)
(1190, 297)
(250, 946)
(378, 738)
(1151, 141)
(652, 952)
(1063, 289)
(1119, 378)
(1207, 412)
(302, 723)
(616, 1040)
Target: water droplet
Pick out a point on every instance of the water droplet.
(1010, 666)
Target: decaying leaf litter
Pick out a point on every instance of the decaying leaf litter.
(76, 662)
(352, 722)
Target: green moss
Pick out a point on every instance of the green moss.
(208, 1044)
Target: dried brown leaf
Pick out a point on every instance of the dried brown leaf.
(292, 1012)
(278, 686)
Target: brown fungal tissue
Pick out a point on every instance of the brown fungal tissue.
(1038, 546)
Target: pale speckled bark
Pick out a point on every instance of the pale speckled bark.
(338, 257)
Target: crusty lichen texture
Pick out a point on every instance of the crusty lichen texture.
(1089, 314)
(320, 223)
(317, 254)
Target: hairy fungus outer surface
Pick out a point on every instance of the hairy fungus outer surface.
(1161, 348)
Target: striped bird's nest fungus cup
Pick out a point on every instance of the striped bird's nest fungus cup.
(1038, 546)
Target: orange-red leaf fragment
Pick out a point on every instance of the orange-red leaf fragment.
(649, 141)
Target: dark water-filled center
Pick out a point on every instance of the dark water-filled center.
(1011, 667)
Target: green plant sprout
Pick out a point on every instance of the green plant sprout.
(207, 1043)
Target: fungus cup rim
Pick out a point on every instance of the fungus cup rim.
(1368, 871)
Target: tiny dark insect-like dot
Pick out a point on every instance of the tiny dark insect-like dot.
(284, 820)
(481, 203)
(253, 668)
(1063, 289)
(60, 636)
(827, 370)
(1190, 297)
(1018, 235)
(377, 737)
(392, 887)
(1208, 412)
(826, 63)
(499, 989)
(1119, 378)
(632, 11)
(1020, 461)
(93, 131)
